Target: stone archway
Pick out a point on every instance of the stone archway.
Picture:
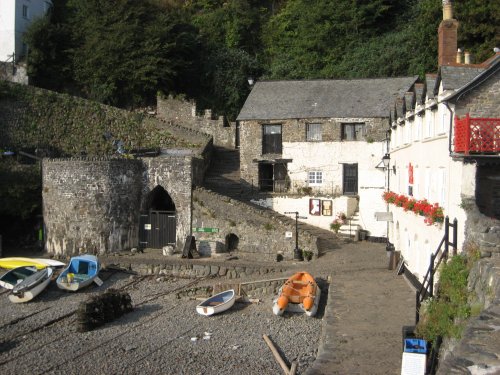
(232, 241)
(158, 224)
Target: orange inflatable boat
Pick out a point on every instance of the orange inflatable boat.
(300, 293)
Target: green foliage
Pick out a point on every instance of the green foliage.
(123, 52)
(446, 315)
(64, 125)
(20, 189)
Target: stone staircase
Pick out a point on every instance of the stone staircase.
(351, 228)
(223, 175)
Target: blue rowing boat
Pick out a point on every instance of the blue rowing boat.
(82, 271)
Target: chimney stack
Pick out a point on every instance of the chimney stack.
(447, 36)
(459, 56)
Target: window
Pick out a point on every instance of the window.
(313, 132)
(315, 178)
(271, 139)
(25, 11)
(353, 132)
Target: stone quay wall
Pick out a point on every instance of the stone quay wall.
(181, 112)
(250, 229)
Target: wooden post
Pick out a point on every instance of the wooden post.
(276, 354)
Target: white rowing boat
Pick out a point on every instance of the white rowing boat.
(217, 303)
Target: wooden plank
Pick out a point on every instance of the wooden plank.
(276, 354)
(293, 368)
(264, 281)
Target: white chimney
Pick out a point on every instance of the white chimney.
(459, 56)
(466, 57)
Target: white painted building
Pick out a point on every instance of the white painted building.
(15, 17)
(428, 156)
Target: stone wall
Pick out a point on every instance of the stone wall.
(294, 131)
(482, 102)
(93, 205)
(176, 111)
(482, 232)
(174, 174)
(477, 350)
(258, 231)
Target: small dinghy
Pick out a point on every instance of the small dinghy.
(217, 304)
(300, 293)
(81, 272)
(26, 282)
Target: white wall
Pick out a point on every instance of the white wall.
(328, 157)
(13, 24)
(437, 178)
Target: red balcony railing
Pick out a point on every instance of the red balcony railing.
(477, 135)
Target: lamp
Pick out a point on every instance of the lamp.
(386, 159)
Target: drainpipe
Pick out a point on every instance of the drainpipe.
(451, 126)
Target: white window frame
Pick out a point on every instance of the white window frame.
(315, 178)
(314, 132)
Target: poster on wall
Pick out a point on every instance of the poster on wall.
(326, 207)
(315, 207)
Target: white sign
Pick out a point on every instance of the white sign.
(288, 234)
(147, 226)
(383, 216)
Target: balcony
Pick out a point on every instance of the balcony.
(477, 135)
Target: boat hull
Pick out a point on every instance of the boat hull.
(80, 273)
(31, 287)
(16, 262)
(217, 303)
(13, 277)
(299, 294)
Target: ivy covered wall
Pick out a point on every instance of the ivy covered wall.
(63, 125)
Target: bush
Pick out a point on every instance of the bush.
(446, 314)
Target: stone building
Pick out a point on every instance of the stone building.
(315, 146)
(104, 205)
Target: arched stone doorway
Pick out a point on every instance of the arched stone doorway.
(157, 226)
(232, 241)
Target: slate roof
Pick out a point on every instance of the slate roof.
(276, 100)
(454, 77)
(492, 68)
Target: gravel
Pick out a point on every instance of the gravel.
(163, 334)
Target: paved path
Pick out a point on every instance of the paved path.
(367, 307)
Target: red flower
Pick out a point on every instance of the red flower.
(432, 212)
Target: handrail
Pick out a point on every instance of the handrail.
(427, 288)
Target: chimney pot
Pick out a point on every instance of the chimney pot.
(467, 57)
(447, 10)
(459, 56)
